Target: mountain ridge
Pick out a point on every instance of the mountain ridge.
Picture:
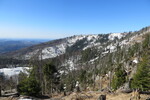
(103, 43)
(67, 42)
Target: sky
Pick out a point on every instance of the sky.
(53, 19)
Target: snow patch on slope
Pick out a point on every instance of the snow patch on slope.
(74, 39)
(13, 71)
(90, 37)
(112, 36)
(60, 48)
(55, 51)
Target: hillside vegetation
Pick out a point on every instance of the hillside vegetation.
(106, 63)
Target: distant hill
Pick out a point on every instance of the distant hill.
(9, 45)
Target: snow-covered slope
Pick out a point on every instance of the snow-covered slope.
(13, 71)
(52, 49)
(60, 48)
(112, 36)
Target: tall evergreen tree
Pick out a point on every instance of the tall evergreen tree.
(141, 80)
(50, 74)
(118, 78)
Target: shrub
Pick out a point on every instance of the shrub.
(29, 86)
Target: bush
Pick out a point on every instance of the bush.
(29, 86)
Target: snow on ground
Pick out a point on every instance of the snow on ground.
(92, 60)
(30, 54)
(112, 36)
(111, 47)
(70, 64)
(51, 52)
(90, 37)
(55, 51)
(26, 98)
(59, 49)
(74, 39)
(13, 71)
(71, 67)
(103, 53)
(135, 61)
(124, 42)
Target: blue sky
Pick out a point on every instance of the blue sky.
(53, 19)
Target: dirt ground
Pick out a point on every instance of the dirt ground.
(8, 98)
(90, 96)
(95, 96)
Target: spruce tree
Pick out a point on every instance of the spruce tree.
(141, 80)
(118, 78)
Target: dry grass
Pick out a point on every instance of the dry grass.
(92, 95)
(95, 95)
(8, 98)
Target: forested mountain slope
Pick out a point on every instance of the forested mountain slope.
(82, 48)
(104, 62)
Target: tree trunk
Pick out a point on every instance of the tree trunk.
(51, 88)
(100, 83)
(110, 79)
(0, 91)
(45, 86)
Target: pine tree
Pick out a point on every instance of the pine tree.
(50, 76)
(118, 78)
(29, 86)
(141, 80)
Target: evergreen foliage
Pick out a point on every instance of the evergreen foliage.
(69, 80)
(146, 41)
(29, 86)
(49, 70)
(79, 45)
(87, 70)
(119, 78)
(51, 76)
(141, 80)
(88, 54)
